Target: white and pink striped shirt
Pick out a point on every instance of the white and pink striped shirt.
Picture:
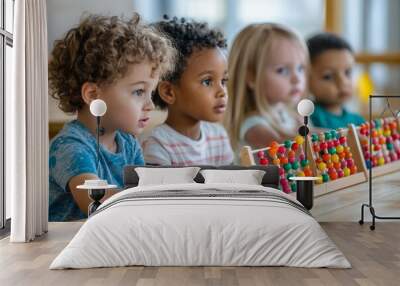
(166, 146)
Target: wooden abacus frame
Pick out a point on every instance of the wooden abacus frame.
(247, 159)
(386, 168)
(360, 177)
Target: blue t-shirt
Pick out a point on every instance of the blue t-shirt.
(325, 119)
(74, 151)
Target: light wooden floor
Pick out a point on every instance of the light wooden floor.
(375, 255)
(345, 205)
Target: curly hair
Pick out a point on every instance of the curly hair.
(186, 36)
(100, 50)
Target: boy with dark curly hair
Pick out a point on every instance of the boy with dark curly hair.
(195, 95)
(118, 61)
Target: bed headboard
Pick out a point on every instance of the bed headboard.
(270, 179)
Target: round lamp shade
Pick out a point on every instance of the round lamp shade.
(98, 107)
(305, 107)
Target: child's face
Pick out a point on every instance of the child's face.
(330, 78)
(201, 90)
(284, 76)
(129, 99)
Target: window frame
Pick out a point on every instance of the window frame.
(6, 39)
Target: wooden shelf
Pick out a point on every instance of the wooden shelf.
(387, 58)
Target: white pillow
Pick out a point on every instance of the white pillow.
(248, 177)
(162, 176)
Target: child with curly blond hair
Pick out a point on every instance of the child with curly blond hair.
(118, 61)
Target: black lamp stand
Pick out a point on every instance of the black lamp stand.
(305, 188)
(96, 194)
(370, 203)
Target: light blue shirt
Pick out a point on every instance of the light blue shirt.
(73, 152)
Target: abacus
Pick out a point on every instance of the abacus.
(337, 159)
(385, 139)
(288, 156)
(334, 156)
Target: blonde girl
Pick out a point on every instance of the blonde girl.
(267, 78)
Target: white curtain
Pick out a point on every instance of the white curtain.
(27, 124)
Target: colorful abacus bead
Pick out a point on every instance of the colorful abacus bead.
(274, 145)
(349, 162)
(301, 174)
(333, 174)
(264, 161)
(342, 140)
(374, 161)
(299, 139)
(281, 150)
(287, 167)
(272, 152)
(326, 157)
(293, 187)
(327, 135)
(334, 134)
(322, 166)
(295, 165)
(283, 160)
(319, 180)
(307, 171)
(332, 150)
(289, 175)
(287, 144)
(304, 163)
(323, 146)
(337, 165)
(291, 154)
(284, 185)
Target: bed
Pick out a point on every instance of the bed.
(201, 224)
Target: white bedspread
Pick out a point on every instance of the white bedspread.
(183, 231)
